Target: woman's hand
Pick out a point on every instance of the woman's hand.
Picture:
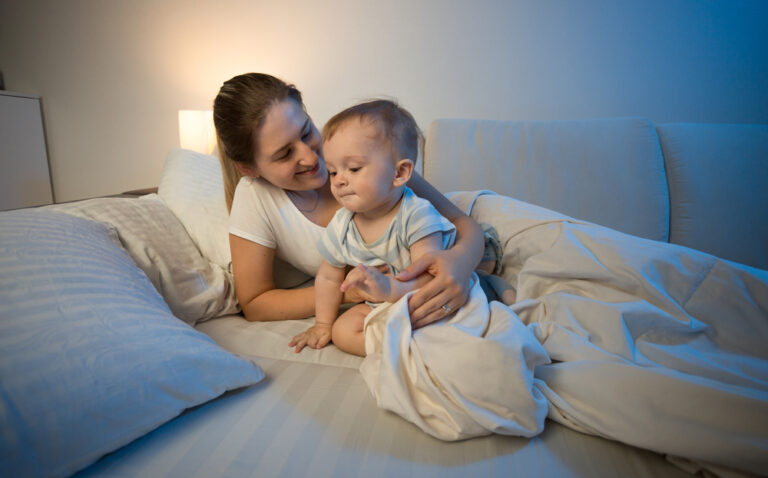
(445, 293)
(370, 281)
(315, 337)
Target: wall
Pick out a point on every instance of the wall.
(113, 74)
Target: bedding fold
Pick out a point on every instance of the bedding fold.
(466, 376)
(655, 345)
(652, 344)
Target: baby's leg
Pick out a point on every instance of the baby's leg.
(347, 331)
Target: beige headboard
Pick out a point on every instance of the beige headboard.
(606, 171)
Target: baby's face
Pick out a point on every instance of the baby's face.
(360, 166)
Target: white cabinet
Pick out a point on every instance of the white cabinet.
(25, 179)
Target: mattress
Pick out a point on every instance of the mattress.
(314, 413)
(309, 417)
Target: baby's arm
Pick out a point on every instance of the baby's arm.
(327, 301)
(380, 287)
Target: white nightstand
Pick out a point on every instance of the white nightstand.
(25, 179)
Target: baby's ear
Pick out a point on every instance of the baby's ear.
(403, 172)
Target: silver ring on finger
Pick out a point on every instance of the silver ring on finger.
(446, 308)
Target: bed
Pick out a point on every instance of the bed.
(124, 353)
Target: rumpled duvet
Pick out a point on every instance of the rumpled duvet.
(468, 376)
(651, 344)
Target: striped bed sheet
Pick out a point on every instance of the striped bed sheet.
(314, 414)
(321, 420)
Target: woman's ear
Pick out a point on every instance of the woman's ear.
(403, 172)
(246, 170)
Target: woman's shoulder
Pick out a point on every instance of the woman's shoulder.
(255, 200)
(254, 189)
(255, 184)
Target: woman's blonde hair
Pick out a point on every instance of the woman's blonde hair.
(238, 114)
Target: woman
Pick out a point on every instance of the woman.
(279, 198)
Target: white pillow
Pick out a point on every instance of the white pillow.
(192, 186)
(194, 288)
(92, 357)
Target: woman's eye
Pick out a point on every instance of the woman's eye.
(354, 170)
(286, 154)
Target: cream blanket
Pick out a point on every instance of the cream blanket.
(652, 344)
(468, 376)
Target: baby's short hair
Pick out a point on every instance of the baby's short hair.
(395, 124)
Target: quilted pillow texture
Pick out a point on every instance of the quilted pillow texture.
(195, 288)
(91, 357)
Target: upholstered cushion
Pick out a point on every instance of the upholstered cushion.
(92, 357)
(718, 181)
(607, 171)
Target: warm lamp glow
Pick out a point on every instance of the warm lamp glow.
(196, 131)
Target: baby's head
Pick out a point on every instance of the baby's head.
(394, 125)
(370, 150)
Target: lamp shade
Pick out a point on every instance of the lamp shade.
(196, 131)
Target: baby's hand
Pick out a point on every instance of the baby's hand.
(315, 337)
(375, 285)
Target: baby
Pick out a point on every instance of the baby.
(370, 150)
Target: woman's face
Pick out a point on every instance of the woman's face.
(290, 154)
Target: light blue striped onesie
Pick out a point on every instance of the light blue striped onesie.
(342, 244)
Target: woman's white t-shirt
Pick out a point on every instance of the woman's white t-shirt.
(264, 214)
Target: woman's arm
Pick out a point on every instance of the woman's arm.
(255, 287)
(252, 266)
(452, 268)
